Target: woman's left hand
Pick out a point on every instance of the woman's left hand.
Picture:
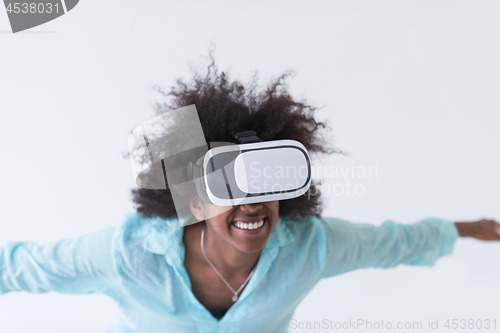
(487, 230)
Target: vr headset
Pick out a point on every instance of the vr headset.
(253, 171)
(170, 151)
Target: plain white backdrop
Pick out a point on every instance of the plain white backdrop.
(409, 87)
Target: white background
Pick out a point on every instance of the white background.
(409, 87)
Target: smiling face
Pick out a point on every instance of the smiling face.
(245, 227)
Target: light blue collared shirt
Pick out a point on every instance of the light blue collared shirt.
(139, 264)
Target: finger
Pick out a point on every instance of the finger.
(496, 229)
(496, 237)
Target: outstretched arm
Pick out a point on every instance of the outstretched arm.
(75, 266)
(350, 246)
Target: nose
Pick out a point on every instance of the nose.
(251, 208)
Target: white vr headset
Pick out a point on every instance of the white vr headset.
(253, 171)
(223, 174)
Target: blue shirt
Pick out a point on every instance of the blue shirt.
(139, 264)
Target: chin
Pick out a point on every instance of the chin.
(250, 248)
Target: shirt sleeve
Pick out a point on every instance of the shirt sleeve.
(81, 265)
(348, 246)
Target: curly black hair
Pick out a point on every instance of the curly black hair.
(226, 107)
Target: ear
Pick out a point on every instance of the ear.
(196, 206)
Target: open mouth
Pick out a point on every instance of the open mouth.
(249, 225)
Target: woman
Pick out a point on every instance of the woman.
(243, 270)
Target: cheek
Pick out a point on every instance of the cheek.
(217, 212)
(219, 216)
(276, 211)
(218, 225)
(275, 208)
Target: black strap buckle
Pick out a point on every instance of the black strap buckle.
(247, 137)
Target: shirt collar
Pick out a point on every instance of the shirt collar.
(165, 238)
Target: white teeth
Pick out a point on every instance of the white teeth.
(250, 225)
